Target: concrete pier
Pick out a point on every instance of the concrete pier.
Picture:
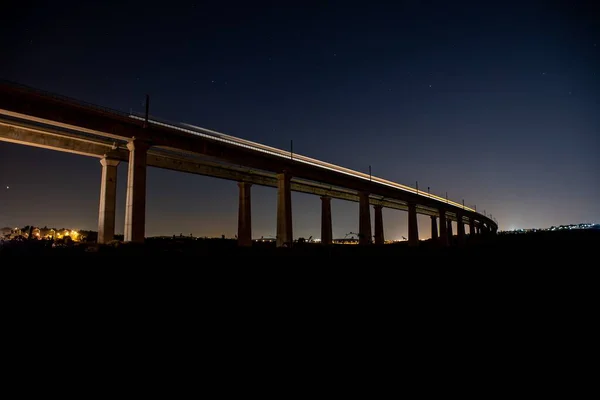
(284, 210)
(326, 225)
(379, 237)
(135, 205)
(460, 228)
(434, 228)
(108, 200)
(244, 215)
(364, 219)
(413, 227)
(443, 228)
(450, 234)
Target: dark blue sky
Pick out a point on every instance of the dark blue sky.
(496, 103)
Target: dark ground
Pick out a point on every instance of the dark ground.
(545, 246)
(502, 285)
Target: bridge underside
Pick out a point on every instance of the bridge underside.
(88, 144)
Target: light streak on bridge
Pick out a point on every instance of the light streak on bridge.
(222, 137)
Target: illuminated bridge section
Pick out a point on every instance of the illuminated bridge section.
(232, 140)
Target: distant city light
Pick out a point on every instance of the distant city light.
(586, 225)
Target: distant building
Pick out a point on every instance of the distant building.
(5, 232)
(345, 241)
(16, 233)
(47, 233)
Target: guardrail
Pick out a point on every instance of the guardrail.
(64, 98)
(221, 137)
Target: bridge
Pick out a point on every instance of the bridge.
(36, 118)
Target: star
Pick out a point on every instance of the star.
(8, 187)
(429, 85)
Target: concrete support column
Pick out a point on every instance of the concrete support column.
(108, 200)
(460, 228)
(379, 238)
(135, 206)
(450, 231)
(244, 215)
(434, 228)
(413, 227)
(364, 219)
(284, 210)
(443, 228)
(471, 226)
(326, 226)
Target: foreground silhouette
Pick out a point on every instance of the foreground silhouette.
(519, 248)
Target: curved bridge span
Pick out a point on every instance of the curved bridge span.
(35, 118)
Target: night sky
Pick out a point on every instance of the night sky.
(496, 103)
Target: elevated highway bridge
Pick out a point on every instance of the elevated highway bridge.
(35, 118)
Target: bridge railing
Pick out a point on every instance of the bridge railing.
(63, 98)
(218, 136)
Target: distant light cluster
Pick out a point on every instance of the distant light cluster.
(553, 228)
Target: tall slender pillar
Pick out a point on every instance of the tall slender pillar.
(379, 238)
(460, 228)
(135, 206)
(284, 210)
(364, 219)
(244, 215)
(450, 231)
(434, 228)
(108, 200)
(326, 226)
(413, 227)
(471, 226)
(443, 228)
